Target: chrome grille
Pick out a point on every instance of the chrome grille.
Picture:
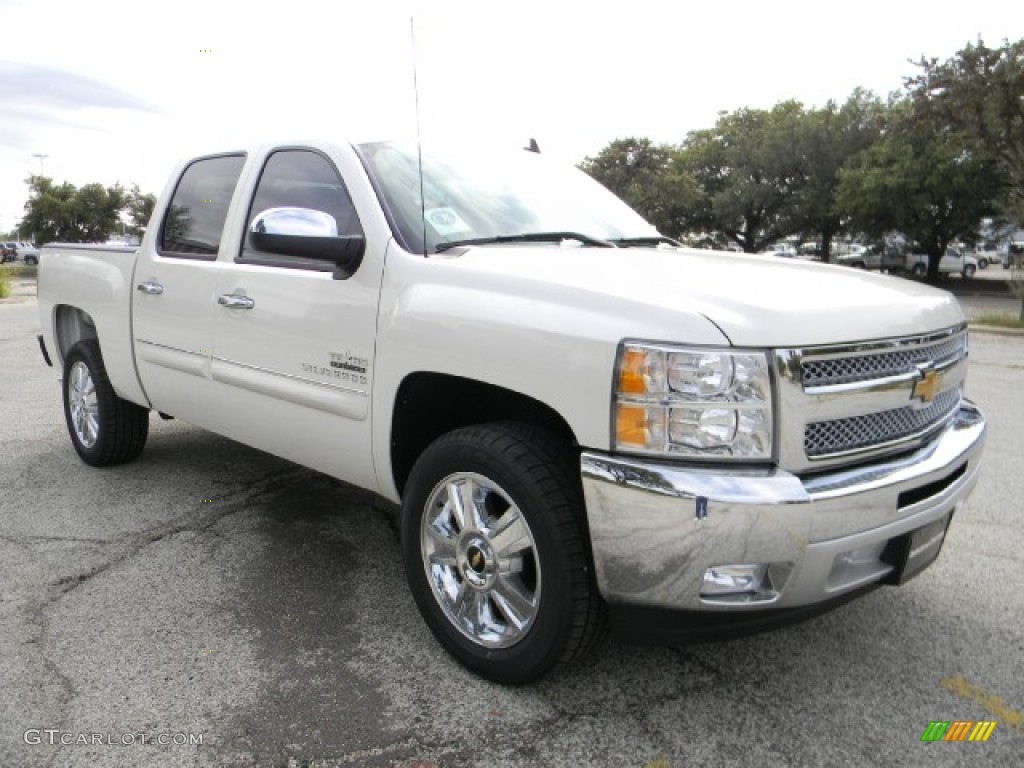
(859, 432)
(881, 364)
(868, 398)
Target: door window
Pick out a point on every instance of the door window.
(297, 178)
(194, 220)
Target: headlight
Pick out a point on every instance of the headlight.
(713, 403)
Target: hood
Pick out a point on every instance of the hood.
(756, 301)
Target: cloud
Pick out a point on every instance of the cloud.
(37, 98)
(26, 83)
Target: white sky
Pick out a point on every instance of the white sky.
(118, 90)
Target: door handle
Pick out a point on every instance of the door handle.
(235, 301)
(151, 287)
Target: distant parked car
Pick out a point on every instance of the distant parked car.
(952, 262)
(8, 252)
(986, 257)
(28, 252)
(784, 250)
(878, 256)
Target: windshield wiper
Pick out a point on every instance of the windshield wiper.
(528, 237)
(649, 240)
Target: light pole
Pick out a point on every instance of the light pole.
(41, 158)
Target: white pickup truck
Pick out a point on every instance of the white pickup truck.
(585, 424)
(953, 262)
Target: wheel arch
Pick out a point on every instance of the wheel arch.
(428, 405)
(70, 326)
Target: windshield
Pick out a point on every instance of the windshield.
(475, 196)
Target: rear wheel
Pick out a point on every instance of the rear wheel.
(495, 551)
(969, 270)
(104, 428)
(919, 270)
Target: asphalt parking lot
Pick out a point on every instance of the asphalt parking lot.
(210, 590)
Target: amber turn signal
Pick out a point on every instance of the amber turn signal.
(631, 372)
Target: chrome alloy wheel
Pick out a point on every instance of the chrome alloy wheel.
(481, 560)
(83, 404)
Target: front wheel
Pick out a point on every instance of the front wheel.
(969, 270)
(919, 270)
(495, 551)
(104, 428)
(982, 263)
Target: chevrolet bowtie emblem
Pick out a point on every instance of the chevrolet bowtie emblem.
(927, 388)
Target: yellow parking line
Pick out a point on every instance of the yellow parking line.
(987, 701)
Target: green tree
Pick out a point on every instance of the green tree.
(922, 179)
(830, 138)
(97, 210)
(750, 169)
(49, 210)
(68, 214)
(649, 177)
(979, 93)
(140, 207)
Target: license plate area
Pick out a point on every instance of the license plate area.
(912, 552)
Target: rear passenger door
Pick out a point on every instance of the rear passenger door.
(294, 341)
(173, 291)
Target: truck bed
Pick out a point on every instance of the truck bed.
(97, 280)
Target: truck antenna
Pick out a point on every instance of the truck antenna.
(419, 140)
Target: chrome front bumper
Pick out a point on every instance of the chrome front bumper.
(653, 541)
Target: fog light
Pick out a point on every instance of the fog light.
(733, 579)
(734, 584)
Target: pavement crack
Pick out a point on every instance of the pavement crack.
(121, 551)
(20, 540)
(201, 521)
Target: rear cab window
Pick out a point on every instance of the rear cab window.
(193, 223)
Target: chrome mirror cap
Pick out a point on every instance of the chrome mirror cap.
(296, 222)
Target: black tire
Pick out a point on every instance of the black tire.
(982, 263)
(919, 270)
(110, 430)
(534, 471)
(859, 265)
(31, 260)
(969, 271)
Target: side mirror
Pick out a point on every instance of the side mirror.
(309, 234)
